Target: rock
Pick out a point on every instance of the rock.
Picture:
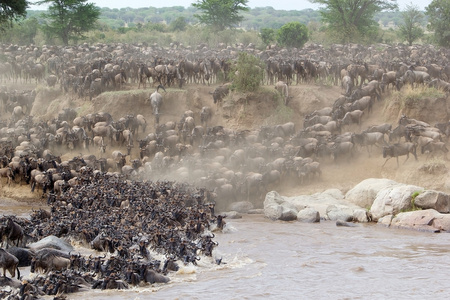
(364, 193)
(308, 215)
(241, 206)
(339, 212)
(288, 214)
(277, 208)
(319, 201)
(419, 220)
(256, 211)
(433, 199)
(360, 215)
(442, 222)
(385, 221)
(232, 215)
(393, 199)
(53, 242)
(272, 207)
(341, 223)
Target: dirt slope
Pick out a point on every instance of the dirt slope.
(249, 111)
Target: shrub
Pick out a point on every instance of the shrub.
(248, 73)
(293, 34)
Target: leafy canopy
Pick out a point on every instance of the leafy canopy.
(351, 19)
(293, 34)
(11, 10)
(69, 19)
(411, 29)
(220, 14)
(268, 35)
(438, 13)
(248, 73)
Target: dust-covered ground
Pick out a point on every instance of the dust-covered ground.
(250, 111)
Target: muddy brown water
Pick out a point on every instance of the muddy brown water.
(291, 260)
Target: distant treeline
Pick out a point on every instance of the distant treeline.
(254, 19)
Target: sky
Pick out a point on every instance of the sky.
(276, 4)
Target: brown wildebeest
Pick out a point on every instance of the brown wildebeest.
(9, 262)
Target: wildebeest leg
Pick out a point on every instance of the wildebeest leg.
(407, 157)
(387, 161)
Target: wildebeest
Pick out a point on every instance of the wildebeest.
(347, 85)
(150, 276)
(23, 255)
(387, 79)
(8, 174)
(371, 89)
(49, 259)
(433, 147)
(440, 85)
(220, 92)
(9, 262)
(14, 232)
(368, 139)
(283, 89)
(413, 77)
(352, 117)
(156, 102)
(399, 149)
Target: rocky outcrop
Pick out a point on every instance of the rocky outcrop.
(422, 220)
(392, 204)
(329, 205)
(365, 192)
(392, 200)
(433, 199)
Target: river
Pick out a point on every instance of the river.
(291, 260)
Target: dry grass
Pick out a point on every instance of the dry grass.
(409, 96)
(434, 167)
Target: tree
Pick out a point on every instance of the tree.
(248, 73)
(268, 35)
(293, 34)
(438, 13)
(220, 14)
(350, 19)
(11, 10)
(411, 29)
(179, 24)
(69, 19)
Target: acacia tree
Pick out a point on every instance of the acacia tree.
(69, 19)
(411, 29)
(350, 19)
(11, 10)
(268, 35)
(220, 14)
(292, 34)
(438, 13)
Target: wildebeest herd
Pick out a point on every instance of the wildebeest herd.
(128, 208)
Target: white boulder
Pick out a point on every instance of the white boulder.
(392, 200)
(308, 215)
(364, 193)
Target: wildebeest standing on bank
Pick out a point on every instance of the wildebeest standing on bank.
(283, 89)
(156, 101)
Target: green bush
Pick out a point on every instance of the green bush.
(293, 34)
(248, 73)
